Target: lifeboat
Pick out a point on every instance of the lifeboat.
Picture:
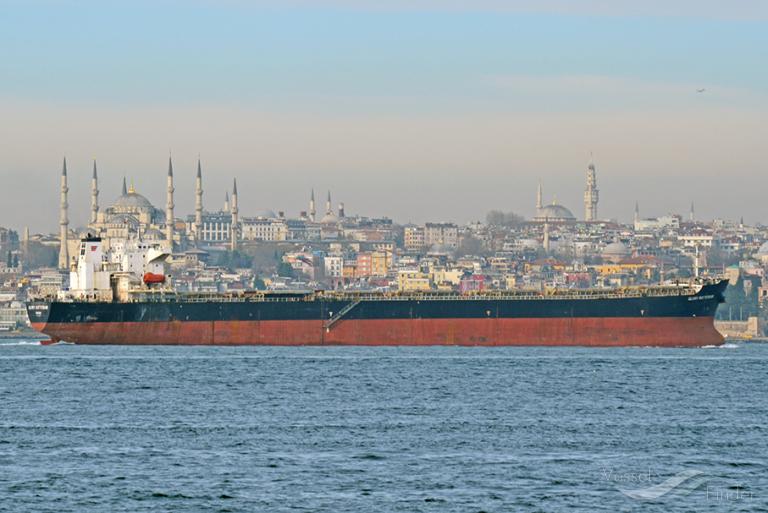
(152, 278)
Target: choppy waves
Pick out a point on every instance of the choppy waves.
(11, 343)
(144, 429)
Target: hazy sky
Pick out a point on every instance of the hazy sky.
(419, 110)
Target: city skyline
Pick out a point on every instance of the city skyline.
(443, 111)
(219, 201)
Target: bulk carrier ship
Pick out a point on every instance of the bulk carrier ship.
(122, 298)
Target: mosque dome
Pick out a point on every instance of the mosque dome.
(329, 218)
(554, 212)
(265, 214)
(133, 200)
(616, 251)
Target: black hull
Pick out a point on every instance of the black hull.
(400, 320)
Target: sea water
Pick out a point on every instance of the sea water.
(411, 429)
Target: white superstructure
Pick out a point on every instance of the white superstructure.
(97, 272)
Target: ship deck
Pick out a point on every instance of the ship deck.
(164, 295)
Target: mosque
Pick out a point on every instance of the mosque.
(556, 213)
(133, 216)
(330, 218)
(130, 214)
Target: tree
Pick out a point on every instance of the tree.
(469, 246)
(499, 218)
(38, 256)
(234, 260)
(740, 301)
(717, 257)
(494, 218)
(285, 270)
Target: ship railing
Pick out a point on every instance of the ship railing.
(205, 298)
(521, 294)
(162, 296)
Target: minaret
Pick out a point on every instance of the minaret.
(591, 194)
(696, 263)
(94, 195)
(637, 213)
(692, 215)
(546, 235)
(199, 202)
(169, 219)
(328, 206)
(226, 201)
(312, 212)
(539, 199)
(63, 221)
(125, 189)
(341, 211)
(235, 222)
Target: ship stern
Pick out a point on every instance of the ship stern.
(38, 312)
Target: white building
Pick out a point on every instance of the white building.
(13, 316)
(655, 224)
(697, 240)
(442, 234)
(334, 265)
(215, 227)
(262, 229)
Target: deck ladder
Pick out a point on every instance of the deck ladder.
(340, 314)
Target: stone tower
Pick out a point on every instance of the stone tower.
(94, 195)
(199, 202)
(591, 194)
(64, 220)
(235, 221)
(169, 218)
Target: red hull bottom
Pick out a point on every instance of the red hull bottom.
(586, 331)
